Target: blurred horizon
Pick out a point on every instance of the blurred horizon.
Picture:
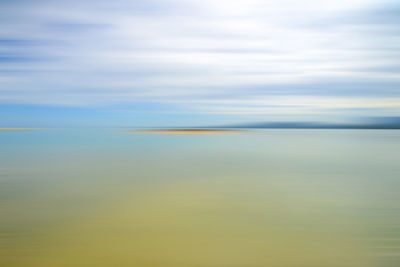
(200, 133)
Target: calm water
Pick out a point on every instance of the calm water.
(282, 198)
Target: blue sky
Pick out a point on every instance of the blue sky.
(196, 62)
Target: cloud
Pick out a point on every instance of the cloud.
(169, 51)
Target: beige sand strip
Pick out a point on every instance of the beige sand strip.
(187, 131)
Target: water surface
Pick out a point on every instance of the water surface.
(284, 198)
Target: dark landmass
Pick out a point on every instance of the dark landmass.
(389, 123)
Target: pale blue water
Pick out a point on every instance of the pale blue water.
(105, 197)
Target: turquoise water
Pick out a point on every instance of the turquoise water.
(106, 197)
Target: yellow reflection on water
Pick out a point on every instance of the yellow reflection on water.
(199, 223)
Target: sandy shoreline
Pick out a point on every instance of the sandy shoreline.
(186, 131)
(18, 129)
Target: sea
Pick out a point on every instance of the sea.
(251, 198)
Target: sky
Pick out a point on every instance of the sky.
(138, 63)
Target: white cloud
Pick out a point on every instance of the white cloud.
(103, 52)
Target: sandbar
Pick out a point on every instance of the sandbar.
(18, 129)
(188, 131)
